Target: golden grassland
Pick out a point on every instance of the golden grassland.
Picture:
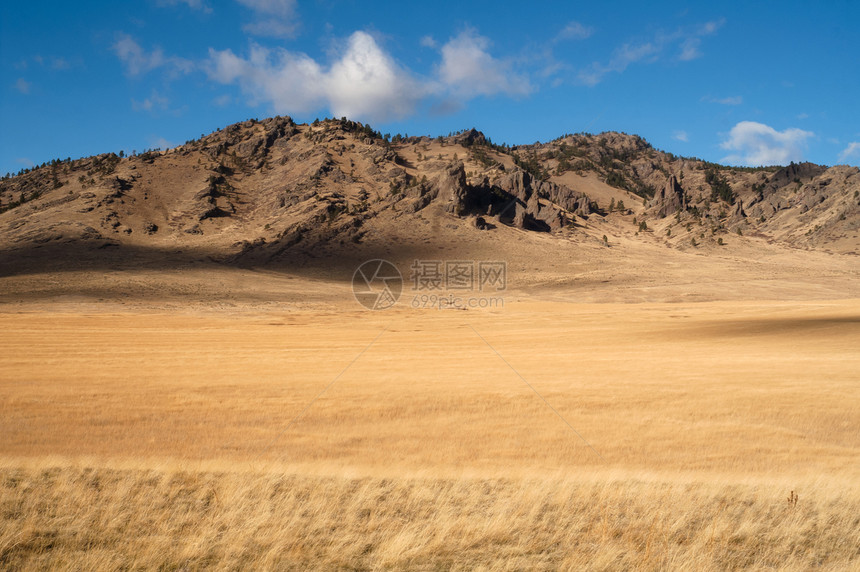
(77, 518)
(429, 439)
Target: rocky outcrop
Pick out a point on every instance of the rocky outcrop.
(738, 213)
(470, 137)
(453, 190)
(670, 199)
(565, 197)
(517, 183)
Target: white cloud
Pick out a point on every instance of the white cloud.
(736, 100)
(711, 27)
(23, 86)
(292, 82)
(138, 61)
(853, 150)
(428, 42)
(160, 143)
(363, 83)
(621, 59)
(575, 31)
(223, 100)
(271, 18)
(366, 82)
(680, 136)
(733, 100)
(688, 41)
(154, 102)
(468, 69)
(690, 49)
(55, 63)
(757, 144)
(193, 4)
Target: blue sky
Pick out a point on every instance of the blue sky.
(733, 82)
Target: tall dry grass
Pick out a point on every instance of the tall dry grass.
(430, 452)
(77, 518)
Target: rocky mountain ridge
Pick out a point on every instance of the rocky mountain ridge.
(256, 190)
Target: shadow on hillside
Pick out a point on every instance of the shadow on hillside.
(316, 263)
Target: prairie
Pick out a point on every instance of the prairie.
(541, 435)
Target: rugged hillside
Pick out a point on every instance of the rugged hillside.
(258, 191)
(802, 205)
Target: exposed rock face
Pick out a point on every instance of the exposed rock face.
(565, 197)
(515, 200)
(470, 137)
(670, 199)
(738, 213)
(795, 172)
(529, 213)
(453, 189)
(518, 184)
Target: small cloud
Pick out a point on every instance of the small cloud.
(691, 40)
(428, 42)
(138, 61)
(223, 100)
(734, 100)
(193, 4)
(25, 162)
(690, 49)
(23, 85)
(273, 18)
(758, 144)
(154, 102)
(55, 63)
(575, 31)
(469, 70)
(60, 64)
(853, 150)
(803, 116)
(680, 136)
(711, 27)
(621, 59)
(160, 143)
(551, 69)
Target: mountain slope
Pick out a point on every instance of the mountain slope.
(259, 191)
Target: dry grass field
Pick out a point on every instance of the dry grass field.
(542, 435)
